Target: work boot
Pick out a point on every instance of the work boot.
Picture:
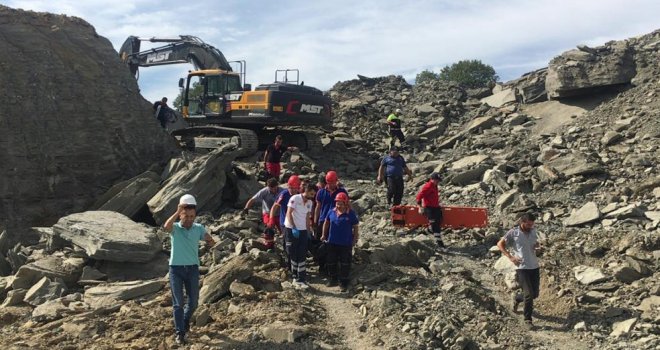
(529, 325)
(440, 243)
(343, 287)
(180, 339)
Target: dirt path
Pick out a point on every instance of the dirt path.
(550, 331)
(343, 316)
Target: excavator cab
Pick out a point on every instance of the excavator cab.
(206, 93)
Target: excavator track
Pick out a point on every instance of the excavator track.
(211, 137)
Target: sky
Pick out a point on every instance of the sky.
(331, 41)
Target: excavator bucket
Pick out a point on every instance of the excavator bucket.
(452, 217)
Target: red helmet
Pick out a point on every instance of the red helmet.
(331, 177)
(294, 181)
(341, 197)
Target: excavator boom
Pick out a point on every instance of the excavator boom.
(185, 49)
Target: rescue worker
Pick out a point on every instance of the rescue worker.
(297, 224)
(161, 112)
(428, 201)
(281, 203)
(524, 244)
(392, 168)
(394, 122)
(340, 230)
(185, 235)
(273, 156)
(325, 202)
(267, 197)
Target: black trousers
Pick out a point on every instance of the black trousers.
(396, 134)
(339, 260)
(394, 190)
(529, 280)
(434, 214)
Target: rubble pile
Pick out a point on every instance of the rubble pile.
(586, 164)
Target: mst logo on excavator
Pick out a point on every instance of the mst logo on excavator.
(158, 57)
(304, 108)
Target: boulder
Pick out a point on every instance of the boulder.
(577, 72)
(238, 289)
(409, 252)
(629, 211)
(14, 297)
(622, 328)
(43, 291)
(469, 161)
(204, 178)
(588, 275)
(586, 214)
(648, 305)
(425, 110)
(217, 282)
(626, 274)
(610, 138)
(90, 129)
(91, 275)
(500, 99)
(470, 176)
(107, 235)
(53, 267)
(531, 86)
(575, 164)
(280, 332)
(481, 123)
(129, 197)
(123, 290)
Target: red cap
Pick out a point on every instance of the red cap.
(331, 177)
(294, 181)
(341, 197)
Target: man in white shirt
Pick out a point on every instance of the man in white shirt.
(297, 224)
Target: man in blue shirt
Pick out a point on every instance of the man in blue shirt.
(184, 262)
(340, 230)
(392, 169)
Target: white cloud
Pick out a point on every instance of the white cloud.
(334, 41)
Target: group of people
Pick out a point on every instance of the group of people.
(309, 215)
(318, 218)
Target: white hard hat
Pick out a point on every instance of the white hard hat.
(187, 199)
(398, 110)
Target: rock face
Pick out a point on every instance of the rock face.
(73, 121)
(106, 235)
(129, 197)
(579, 71)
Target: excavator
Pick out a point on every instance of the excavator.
(219, 107)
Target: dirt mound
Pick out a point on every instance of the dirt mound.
(73, 121)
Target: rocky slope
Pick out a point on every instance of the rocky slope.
(73, 121)
(585, 160)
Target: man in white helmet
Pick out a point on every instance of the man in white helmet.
(185, 235)
(394, 123)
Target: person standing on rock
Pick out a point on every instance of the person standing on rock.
(340, 230)
(267, 197)
(281, 204)
(394, 123)
(297, 224)
(325, 202)
(184, 262)
(273, 156)
(428, 201)
(161, 111)
(523, 241)
(392, 168)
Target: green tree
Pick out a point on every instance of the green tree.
(196, 91)
(469, 73)
(425, 75)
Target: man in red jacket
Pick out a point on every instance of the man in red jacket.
(428, 201)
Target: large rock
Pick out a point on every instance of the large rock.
(53, 267)
(588, 213)
(502, 98)
(123, 290)
(409, 252)
(89, 129)
(129, 197)
(204, 178)
(106, 235)
(531, 86)
(575, 164)
(623, 327)
(481, 123)
(217, 282)
(578, 72)
(588, 275)
(43, 291)
(280, 332)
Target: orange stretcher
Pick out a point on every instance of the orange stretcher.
(452, 217)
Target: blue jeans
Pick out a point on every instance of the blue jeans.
(184, 276)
